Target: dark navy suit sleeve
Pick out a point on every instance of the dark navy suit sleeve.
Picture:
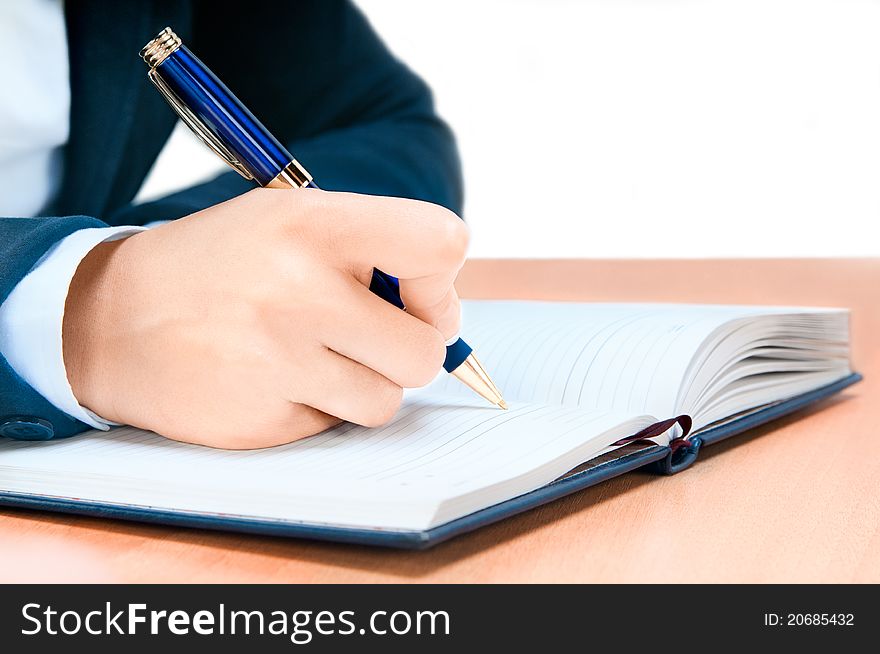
(24, 413)
(323, 82)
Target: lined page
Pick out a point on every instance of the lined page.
(436, 449)
(628, 358)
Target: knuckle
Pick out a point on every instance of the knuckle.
(386, 400)
(295, 209)
(453, 235)
(294, 273)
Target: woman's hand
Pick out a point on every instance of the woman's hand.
(250, 323)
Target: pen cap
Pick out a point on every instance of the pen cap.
(211, 110)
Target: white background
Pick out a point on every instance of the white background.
(634, 128)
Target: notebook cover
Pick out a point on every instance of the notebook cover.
(627, 458)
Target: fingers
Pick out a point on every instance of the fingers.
(369, 330)
(406, 238)
(422, 244)
(299, 421)
(351, 391)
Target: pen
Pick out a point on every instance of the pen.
(218, 118)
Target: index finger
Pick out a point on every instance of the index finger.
(422, 244)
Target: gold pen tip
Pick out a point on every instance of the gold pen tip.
(472, 375)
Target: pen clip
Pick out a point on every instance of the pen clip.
(190, 120)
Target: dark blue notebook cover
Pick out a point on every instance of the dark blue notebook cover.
(629, 457)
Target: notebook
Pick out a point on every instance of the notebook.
(595, 390)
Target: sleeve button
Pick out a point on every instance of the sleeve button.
(26, 428)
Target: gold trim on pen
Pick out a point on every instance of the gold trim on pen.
(154, 53)
(158, 50)
(472, 374)
(294, 175)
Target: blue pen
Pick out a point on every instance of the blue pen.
(219, 119)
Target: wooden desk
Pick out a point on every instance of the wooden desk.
(796, 501)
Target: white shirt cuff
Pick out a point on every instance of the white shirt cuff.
(32, 316)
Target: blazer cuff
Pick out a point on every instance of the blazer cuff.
(31, 320)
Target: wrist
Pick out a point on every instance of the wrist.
(87, 328)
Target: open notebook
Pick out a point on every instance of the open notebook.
(582, 381)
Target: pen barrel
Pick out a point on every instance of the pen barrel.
(223, 115)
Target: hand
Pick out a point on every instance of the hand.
(250, 324)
